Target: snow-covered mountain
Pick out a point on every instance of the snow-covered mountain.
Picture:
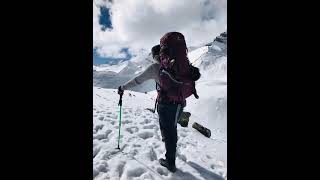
(112, 76)
(211, 108)
(198, 157)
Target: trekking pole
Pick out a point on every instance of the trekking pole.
(197, 59)
(120, 104)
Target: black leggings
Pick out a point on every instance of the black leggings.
(168, 117)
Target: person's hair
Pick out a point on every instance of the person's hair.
(156, 58)
(155, 50)
(156, 53)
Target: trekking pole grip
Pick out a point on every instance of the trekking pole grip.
(120, 100)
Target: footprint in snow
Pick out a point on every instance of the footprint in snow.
(136, 145)
(182, 157)
(145, 135)
(103, 135)
(96, 150)
(105, 140)
(132, 130)
(184, 130)
(98, 127)
(138, 112)
(146, 121)
(126, 116)
(181, 145)
(102, 167)
(149, 126)
(95, 172)
(156, 134)
(152, 155)
(162, 171)
(136, 172)
(120, 167)
(126, 122)
(156, 146)
(99, 136)
(183, 134)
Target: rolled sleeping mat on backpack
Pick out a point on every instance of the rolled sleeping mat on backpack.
(203, 130)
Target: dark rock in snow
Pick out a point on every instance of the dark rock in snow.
(203, 130)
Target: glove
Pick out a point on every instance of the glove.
(120, 91)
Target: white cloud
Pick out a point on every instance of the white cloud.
(139, 24)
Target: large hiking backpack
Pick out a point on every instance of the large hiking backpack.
(177, 76)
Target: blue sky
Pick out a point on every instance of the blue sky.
(136, 26)
(105, 22)
(104, 19)
(102, 60)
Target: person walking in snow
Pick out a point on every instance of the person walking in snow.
(175, 81)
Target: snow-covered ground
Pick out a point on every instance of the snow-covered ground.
(198, 157)
(141, 145)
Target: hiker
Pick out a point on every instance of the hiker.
(174, 76)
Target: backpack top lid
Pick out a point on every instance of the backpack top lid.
(173, 40)
(173, 46)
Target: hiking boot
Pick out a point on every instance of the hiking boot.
(170, 167)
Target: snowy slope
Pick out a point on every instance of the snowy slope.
(113, 68)
(198, 157)
(141, 145)
(112, 76)
(211, 108)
